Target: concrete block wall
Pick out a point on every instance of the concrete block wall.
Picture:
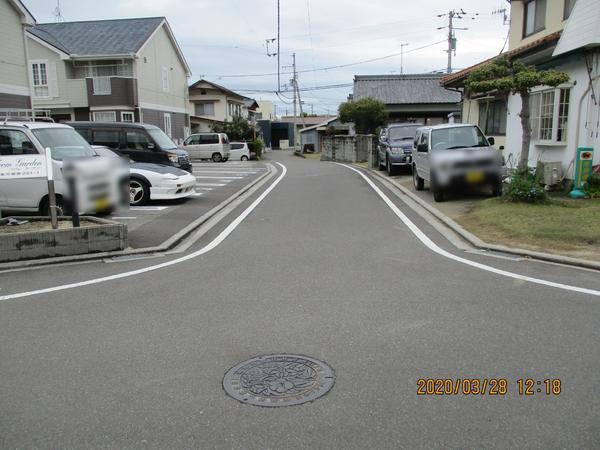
(350, 149)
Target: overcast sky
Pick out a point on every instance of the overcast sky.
(221, 38)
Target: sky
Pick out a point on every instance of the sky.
(225, 41)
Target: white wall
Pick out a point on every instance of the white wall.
(588, 125)
(13, 61)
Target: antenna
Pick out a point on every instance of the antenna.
(57, 14)
(504, 12)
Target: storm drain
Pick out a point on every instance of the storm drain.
(278, 380)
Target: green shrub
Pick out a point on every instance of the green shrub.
(593, 186)
(256, 146)
(525, 189)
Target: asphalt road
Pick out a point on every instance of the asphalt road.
(324, 268)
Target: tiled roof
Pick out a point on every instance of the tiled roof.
(99, 37)
(463, 74)
(403, 89)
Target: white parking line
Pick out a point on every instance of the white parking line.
(206, 189)
(220, 178)
(213, 244)
(148, 208)
(210, 184)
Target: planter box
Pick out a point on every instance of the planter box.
(95, 235)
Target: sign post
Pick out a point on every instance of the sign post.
(51, 193)
(583, 170)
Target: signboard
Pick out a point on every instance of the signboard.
(22, 166)
(583, 166)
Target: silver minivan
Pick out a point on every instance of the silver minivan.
(213, 146)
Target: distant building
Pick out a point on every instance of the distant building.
(311, 138)
(301, 123)
(124, 70)
(409, 98)
(266, 110)
(15, 90)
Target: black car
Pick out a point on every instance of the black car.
(141, 142)
(395, 146)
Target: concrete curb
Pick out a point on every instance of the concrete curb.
(478, 243)
(300, 155)
(165, 246)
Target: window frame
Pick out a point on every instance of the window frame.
(24, 138)
(559, 119)
(129, 113)
(165, 84)
(536, 27)
(114, 114)
(484, 126)
(168, 124)
(36, 65)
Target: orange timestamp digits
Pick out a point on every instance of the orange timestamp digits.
(459, 386)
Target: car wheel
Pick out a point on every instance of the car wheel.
(244, 158)
(391, 170)
(139, 192)
(438, 193)
(61, 209)
(217, 157)
(417, 180)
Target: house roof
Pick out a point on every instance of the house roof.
(459, 77)
(403, 89)
(250, 103)
(308, 120)
(582, 28)
(98, 37)
(23, 11)
(322, 124)
(197, 85)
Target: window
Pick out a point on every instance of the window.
(13, 142)
(205, 109)
(40, 79)
(550, 115)
(569, 4)
(165, 79)
(137, 140)
(127, 116)
(492, 117)
(104, 116)
(535, 17)
(168, 124)
(235, 109)
(192, 140)
(108, 138)
(64, 143)
(209, 139)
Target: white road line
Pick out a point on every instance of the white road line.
(197, 194)
(123, 218)
(242, 172)
(213, 244)
(210, 184)
(206, 189)
(219, 178)
(432, 246)
(148, 208)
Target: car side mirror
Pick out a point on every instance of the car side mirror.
(491, 140)
(422, 148)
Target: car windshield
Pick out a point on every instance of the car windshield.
(400, 133)
(163, 141)
(64, 143)
(458, 137)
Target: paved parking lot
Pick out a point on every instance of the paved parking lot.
(153, 224)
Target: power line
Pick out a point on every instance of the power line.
(340, 66)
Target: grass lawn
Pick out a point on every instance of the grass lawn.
(565, 226)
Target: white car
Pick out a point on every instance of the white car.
(213, 146)
(239, 151)
(149, 181)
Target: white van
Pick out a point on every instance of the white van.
(213, 146)
(22, 185)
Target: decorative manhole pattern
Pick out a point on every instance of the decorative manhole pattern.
(278, 380)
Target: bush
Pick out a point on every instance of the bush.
(256, 146)
(593, 186)
(525, 189)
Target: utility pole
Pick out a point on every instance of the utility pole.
(402, 58)
(278, 46)
(453, 14)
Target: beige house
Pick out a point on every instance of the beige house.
(265, 110)
(14, 82)
(211, 103)
(124, 70)
(550, 34)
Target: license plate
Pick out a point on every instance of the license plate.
(475, 177)
(102, 204)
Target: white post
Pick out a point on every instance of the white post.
(51, 193)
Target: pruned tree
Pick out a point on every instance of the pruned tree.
(238, 129)
(367, 114)
(512, 77)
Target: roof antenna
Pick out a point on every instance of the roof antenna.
(57, 15)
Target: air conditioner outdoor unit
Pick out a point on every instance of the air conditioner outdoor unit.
(549, 173)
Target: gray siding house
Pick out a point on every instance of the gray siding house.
(410, 98)
(14, 83)
(124, 70)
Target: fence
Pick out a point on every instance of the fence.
(350, 149)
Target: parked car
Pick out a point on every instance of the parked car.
(213, 146)
(239, 151)
(455, 155)
(141, 142)
(395, 146)
(25, 188)
(148, 181)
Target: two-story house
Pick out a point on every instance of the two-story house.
(211, 103)
(562, 35)
(14, 82)
(124, 70)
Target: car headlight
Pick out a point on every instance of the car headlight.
(170, 177)
(173, 157)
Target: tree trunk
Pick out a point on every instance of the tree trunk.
(523, 166)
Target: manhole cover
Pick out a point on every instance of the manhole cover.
(278, 380)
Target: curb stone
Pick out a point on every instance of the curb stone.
(477, 242)
(149, 251)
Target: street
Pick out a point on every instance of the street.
(133, 354)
